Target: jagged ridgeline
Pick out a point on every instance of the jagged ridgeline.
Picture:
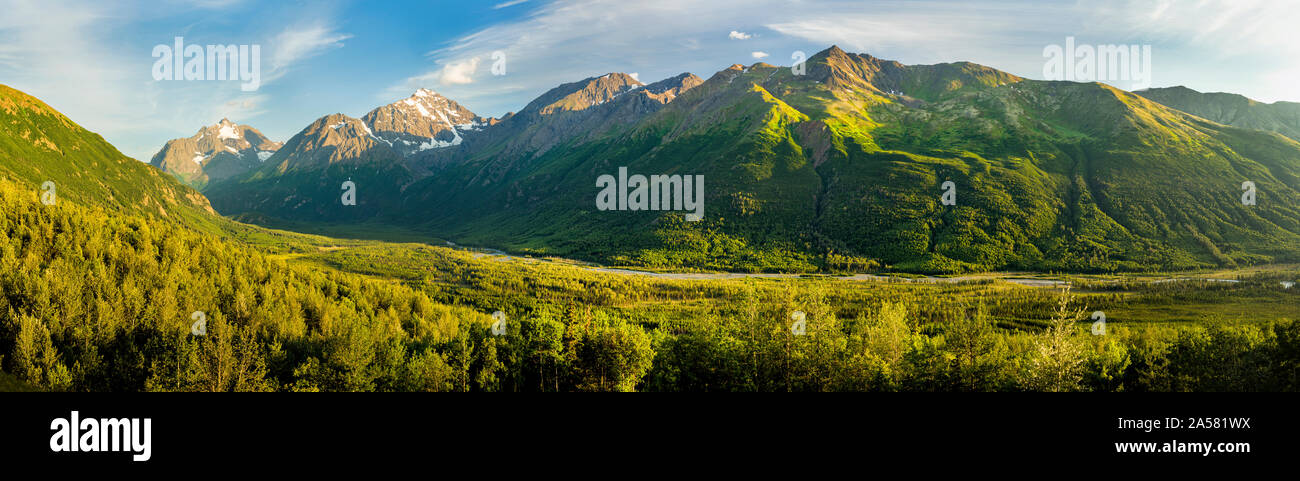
(839, 167)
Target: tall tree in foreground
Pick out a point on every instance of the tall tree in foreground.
(977, 347)
(1057, 365)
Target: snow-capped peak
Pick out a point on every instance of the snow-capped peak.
(227, 130)
(425, 120)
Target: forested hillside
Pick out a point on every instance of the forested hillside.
(123, 280)
(92, 301)
(842, 167)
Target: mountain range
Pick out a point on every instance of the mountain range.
(840, 167)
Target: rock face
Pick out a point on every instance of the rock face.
(214, 153)
(584, 110)
(370, 151)
(387, 135)
(332, 139)
(423, 121)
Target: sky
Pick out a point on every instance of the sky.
(93, 60)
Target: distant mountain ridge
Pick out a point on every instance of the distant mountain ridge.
(214, 153)
(401, 141)
(1231, 109)
(836, 167)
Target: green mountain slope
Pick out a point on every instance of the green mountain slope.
(38, 145)
(1231, 109)
(842, 168)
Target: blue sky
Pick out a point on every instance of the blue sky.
(92, 60)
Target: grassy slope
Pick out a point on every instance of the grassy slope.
(38, 144)
(1231, 109)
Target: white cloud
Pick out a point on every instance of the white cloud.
(759, 54)
(509, 3)
(459, 73)
(734, 35)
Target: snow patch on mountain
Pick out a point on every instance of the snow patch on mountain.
(437, 144)
(228, 132)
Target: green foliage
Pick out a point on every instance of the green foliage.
(840, 170)
(97, 291)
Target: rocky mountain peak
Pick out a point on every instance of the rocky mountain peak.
(423, 121)
(215, 152)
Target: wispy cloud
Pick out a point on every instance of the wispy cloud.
(1219, 27)
(298, 43)
(53, 51)
(75, 56)
(759, 54)
(561, 42)
(510, 3)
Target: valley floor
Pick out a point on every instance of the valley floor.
(1129, 300)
